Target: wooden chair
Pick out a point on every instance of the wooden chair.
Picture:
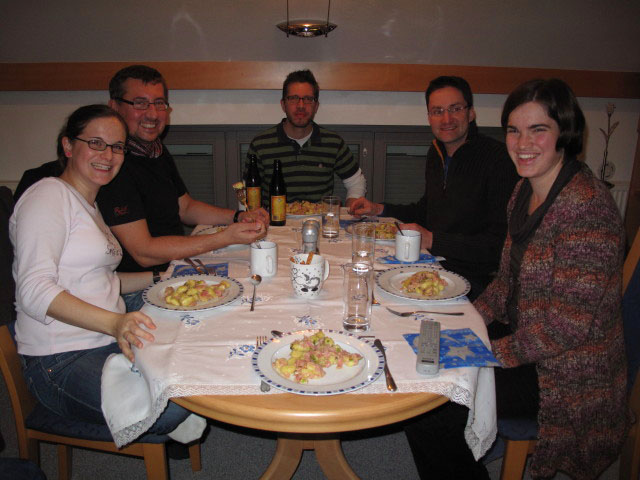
(516, 451)
(34, 424)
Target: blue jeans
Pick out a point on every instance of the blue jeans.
(133, 301)
(69, 384)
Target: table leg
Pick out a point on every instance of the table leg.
(328, 453)
(331, 458)
(286, 459)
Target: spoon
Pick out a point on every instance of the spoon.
(399, 229)
(276, 333)
(255, 281)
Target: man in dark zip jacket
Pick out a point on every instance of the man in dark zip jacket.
(469, 178)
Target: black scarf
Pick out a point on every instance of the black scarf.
(521, 224)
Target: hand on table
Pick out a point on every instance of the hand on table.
(362, 206)
(257, 215)
(129, 332)
(426, 239)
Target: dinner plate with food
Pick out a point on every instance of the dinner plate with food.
(193, 293)
(385, 232)
(423, 283)
(303, 209)
(318, 362)
(219, 228)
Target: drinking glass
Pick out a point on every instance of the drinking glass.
(357, 291)
(330, 216)
(363, 243)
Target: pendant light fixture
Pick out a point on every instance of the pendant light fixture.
(307, 28)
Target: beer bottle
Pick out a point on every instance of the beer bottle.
(278, 195)
(253, 183)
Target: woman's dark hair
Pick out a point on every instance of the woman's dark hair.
(78, 121)
(560, 103)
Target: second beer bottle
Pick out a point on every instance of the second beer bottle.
(278, 196)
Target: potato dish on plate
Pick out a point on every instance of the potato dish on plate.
(194, 292)
(304, 208)
(311, 355)
(424, 283)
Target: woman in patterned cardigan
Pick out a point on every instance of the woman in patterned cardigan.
(558, 290)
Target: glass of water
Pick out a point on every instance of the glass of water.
(330, 216)
(357, 296)
(363, 242)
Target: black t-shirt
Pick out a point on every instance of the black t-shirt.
(146, 188)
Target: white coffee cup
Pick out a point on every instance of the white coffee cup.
(408, 245)
(307, 280)
(264, 259)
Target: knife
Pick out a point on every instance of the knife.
(391, 384)
(195, 267)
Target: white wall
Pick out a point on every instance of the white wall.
(29, 121)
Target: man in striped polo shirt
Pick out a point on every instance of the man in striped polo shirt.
(310, 155)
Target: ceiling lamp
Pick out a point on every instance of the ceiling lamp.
(307, 28)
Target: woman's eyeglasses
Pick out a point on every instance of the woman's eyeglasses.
(101, 145)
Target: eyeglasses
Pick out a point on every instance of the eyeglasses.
(143, 103)
(453, 110)
(101, 145)
(294, 99)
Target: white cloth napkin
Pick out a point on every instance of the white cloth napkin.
(129, 408)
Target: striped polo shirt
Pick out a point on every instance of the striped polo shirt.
(308, 170)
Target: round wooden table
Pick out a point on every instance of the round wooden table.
(311, 423)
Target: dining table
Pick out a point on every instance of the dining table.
(210, 362)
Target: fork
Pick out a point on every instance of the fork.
(261, 340)
(408, 314)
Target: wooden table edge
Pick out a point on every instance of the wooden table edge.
(306, 414)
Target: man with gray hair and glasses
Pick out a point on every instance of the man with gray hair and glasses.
(468, 180)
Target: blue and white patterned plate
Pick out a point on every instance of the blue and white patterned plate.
(391, 282)
(336, 381)
(154, 295)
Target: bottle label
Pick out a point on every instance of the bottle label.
(254, 199)
(278, 208)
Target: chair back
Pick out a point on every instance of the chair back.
(631, 311)
(630, 262)
(7, 285)
(22, 401)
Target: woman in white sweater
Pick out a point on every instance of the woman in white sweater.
(70, 315)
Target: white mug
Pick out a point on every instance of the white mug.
(408, 245)
(307, 280)
(264, 259)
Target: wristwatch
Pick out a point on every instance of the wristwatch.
(156, 276)
(235, 216)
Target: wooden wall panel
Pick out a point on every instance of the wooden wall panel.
(331, 76)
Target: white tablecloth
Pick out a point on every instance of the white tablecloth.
(209, 352)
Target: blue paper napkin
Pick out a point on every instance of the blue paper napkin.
(221, 269)
(459, 348)
(424, 258)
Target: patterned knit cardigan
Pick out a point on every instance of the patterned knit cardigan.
(570, 326)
